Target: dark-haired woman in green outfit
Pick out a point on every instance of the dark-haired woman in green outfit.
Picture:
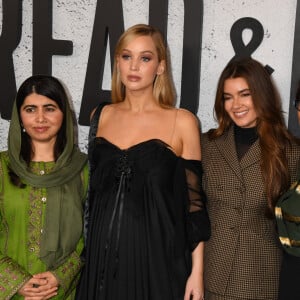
(43, 180)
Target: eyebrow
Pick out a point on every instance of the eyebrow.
(241, 91)
(143, 52)
(244, 90)
(45, 105)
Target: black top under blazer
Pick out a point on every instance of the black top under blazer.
(242, 258)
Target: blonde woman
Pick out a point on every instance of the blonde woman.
(147, 219)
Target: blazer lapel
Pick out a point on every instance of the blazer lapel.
(252, 156)
(226, 146)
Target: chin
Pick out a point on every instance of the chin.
(245, 124)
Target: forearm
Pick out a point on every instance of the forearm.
(197, 260)
(12, 277)
(195, 286)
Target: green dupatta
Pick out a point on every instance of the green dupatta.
(62, 230)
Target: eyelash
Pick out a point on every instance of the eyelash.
(47, 109)
(146, 59)
(242, 95)
(246, 94)
(125, 56)
(50, 109)
(143, 58)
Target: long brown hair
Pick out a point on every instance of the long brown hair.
(163, 89)
(273, 134)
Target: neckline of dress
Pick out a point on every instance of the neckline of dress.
(136, 145)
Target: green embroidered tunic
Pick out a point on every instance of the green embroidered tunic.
(22, 216)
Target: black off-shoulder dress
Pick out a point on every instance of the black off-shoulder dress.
(146, 215)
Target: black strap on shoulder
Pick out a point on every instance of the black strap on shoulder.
(95, 120)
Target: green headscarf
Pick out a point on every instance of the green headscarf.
(62, 230)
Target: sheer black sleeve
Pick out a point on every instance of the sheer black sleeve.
(197, 220)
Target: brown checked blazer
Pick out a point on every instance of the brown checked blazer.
(242, 258)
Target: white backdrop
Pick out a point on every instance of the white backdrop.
(73, 20)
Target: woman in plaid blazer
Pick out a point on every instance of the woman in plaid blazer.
(248, 161)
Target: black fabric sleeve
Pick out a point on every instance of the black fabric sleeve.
(197, 220)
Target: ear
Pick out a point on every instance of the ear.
(161, 68)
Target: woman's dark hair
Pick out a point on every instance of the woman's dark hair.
(273, 135)
(52, 88)
(298, 91)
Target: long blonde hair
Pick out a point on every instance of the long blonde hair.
(163, 88)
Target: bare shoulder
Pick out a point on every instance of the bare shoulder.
(187, 120)
(107, 107)
(188, 129)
